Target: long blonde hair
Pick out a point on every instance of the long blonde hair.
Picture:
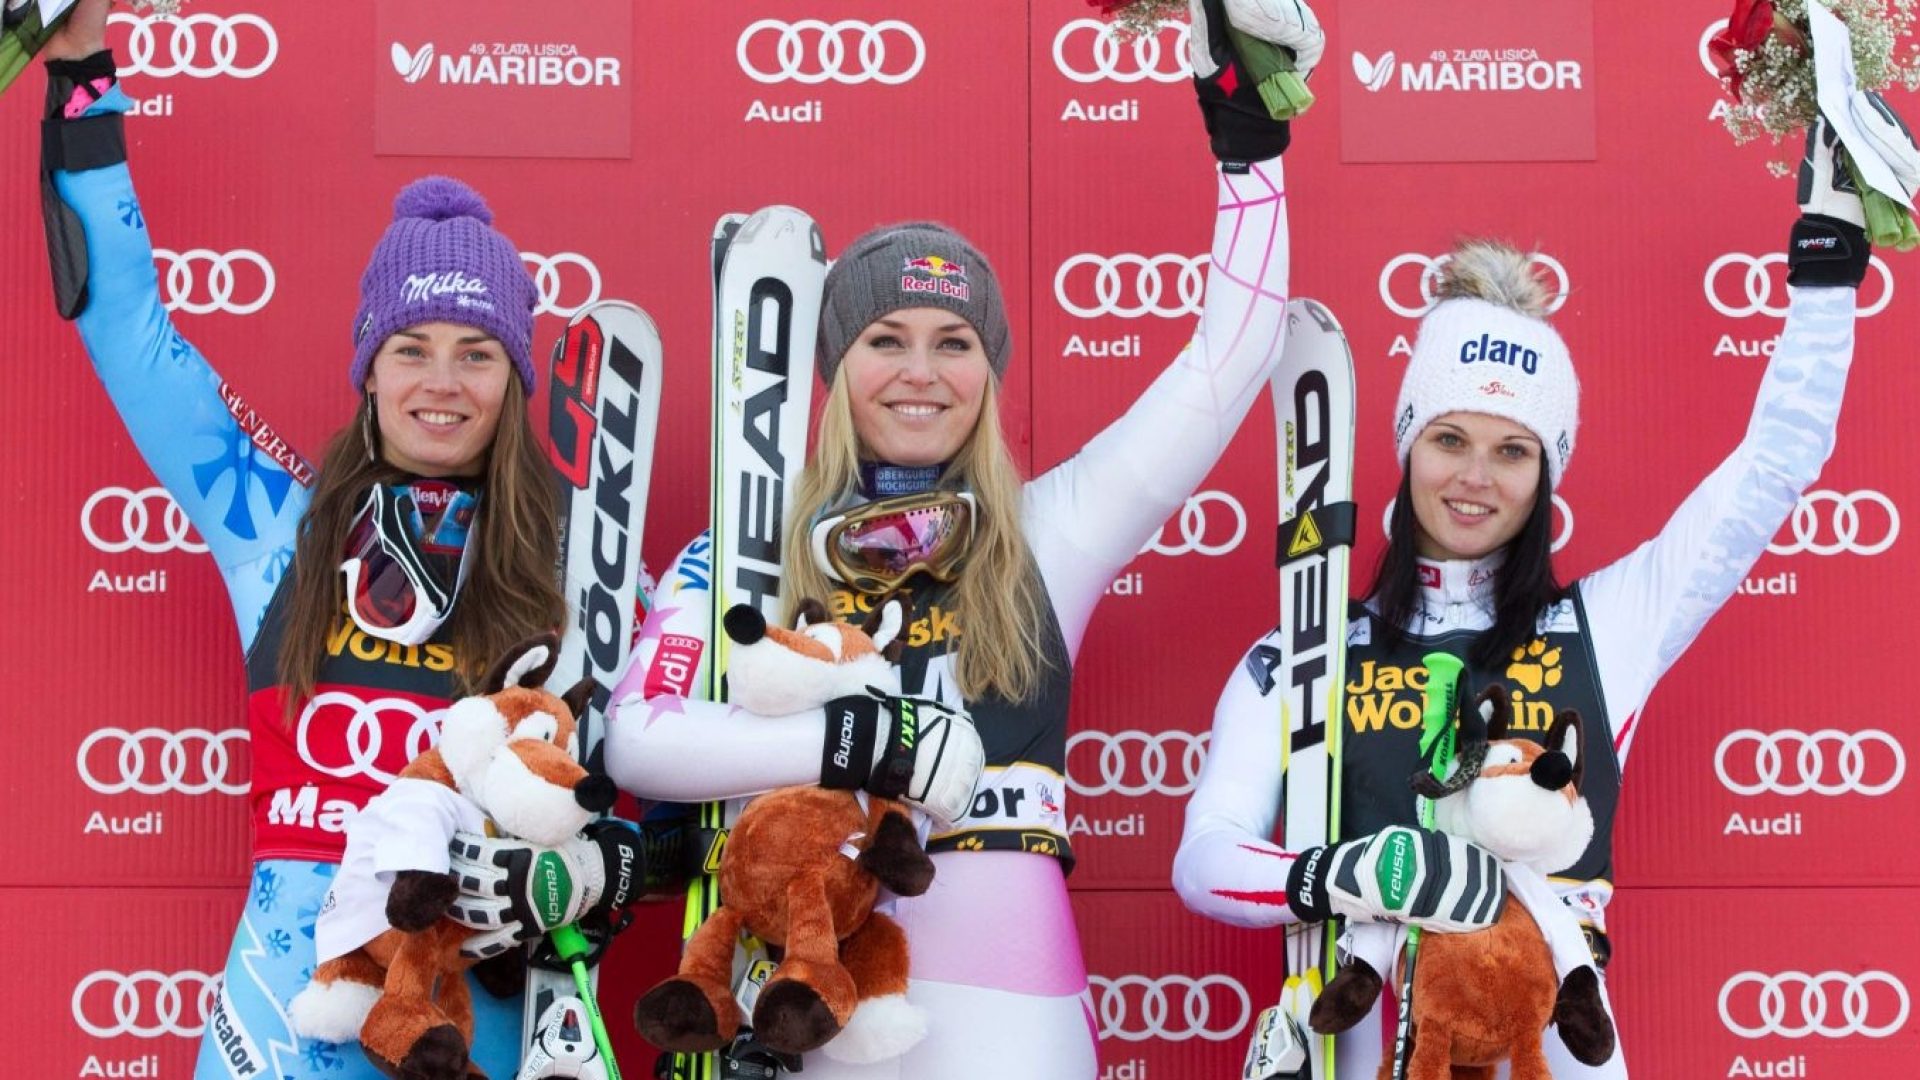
(1001, 605)
(512, 593)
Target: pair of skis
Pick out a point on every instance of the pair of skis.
(769, 274)
(1313, 400)
(769, 270)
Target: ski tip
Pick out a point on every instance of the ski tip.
(620, 316)
(1307, 309)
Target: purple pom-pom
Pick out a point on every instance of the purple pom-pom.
(438, 198)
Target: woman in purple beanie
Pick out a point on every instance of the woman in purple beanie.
(422, 547)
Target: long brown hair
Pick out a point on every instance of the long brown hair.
(512, 591)
(999, 595)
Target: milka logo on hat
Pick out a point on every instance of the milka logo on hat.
(944, 277)
(420, 288)
(1510, 353)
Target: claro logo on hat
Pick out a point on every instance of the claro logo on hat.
(943, 277)
(1511, 353)
(467, 291)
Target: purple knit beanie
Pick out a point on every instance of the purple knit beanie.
(442, 261)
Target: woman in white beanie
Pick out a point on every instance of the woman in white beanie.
(1484, 427)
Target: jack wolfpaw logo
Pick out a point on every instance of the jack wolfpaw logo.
(1535, 666)
(970, 843)
(1375, 73)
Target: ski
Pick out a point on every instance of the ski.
(603, 411)
(1313, 401)
(769, 273)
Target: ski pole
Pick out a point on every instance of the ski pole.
(572, 946)
(1437, 745)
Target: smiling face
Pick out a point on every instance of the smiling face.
(1473, 480)
(438, 390)
(916, 379)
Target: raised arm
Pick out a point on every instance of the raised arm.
(243, 488)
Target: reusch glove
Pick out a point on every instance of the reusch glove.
(514, 892)
(917, 751)
(1828, 245)
(1400, 875)
(1240, 122)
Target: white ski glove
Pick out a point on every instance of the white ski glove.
(1401, 875)
(1287, 23)
(918, 751)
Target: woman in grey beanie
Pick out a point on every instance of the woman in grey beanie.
(911, 490)
(368, 591)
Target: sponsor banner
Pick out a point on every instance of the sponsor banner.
(1748, 1000)
(493, 78)
(1465, 80)
(1171, 994)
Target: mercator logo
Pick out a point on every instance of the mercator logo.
(1373, 74)
(412, 66)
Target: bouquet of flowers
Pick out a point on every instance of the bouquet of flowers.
(22, 31)
(1765, 57)
(1282, 88)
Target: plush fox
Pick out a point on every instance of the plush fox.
(507, 760)
(801, 871)
(1484, 997)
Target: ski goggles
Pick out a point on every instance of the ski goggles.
(875, 547)
(397, 588)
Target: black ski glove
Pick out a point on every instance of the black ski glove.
(1828, 245)
(1240, 127)
(1401, 875)
(89, 142)
(920, 752)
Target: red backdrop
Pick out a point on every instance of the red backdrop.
(1768, 785)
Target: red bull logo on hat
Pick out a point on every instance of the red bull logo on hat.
(944, 277)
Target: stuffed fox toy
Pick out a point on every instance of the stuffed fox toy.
(505, 761)
(1483, 997)
(801, 870)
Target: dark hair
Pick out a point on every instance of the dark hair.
(512, 593)
(1524, 587)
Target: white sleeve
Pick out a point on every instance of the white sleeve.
(1644, 610)
(412, 823)
(1088, 517)
(1227, 866)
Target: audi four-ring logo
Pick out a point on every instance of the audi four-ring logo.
(546, 271)
(154, 761)
(144, 1004)
(811, 51)
(1088, 51)
(1561, 536)
(1796, 1004)
(180, 281)
(1129, 286)
(1740, 285)
(1407, 281)
(1847, 531)
(1136, 763)
(1135, 1008)
(1706, 39)
(1823, 762)
(200, 45)
(148, 520)
(1197, 535)
(361, 746)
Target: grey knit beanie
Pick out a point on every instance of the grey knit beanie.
(915, 264)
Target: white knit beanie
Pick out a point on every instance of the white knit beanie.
(1481, 357)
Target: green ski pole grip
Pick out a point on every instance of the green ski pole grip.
(572, 946)
(1436, 714)
(1282, 89)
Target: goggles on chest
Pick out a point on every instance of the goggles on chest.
(396, 568)
(875, 547)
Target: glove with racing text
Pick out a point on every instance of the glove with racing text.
(1401, 875)
(918, 751)
(1247, 111)
(513, 891)
(1828, 245)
